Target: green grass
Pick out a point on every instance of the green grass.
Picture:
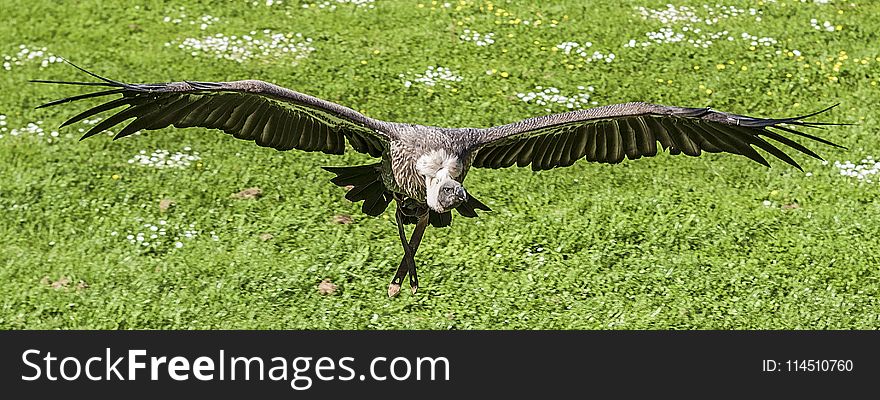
(660, 243)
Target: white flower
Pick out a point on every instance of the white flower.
(254, 45)
(331, 5)
(432, 76)
(866, 171)
(826, 26)
(545, 96)
(478, 39)
(164, 159)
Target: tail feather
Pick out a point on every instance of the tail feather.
(367, 185)
(440, 220)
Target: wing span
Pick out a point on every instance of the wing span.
(270, 115)
(632, 130)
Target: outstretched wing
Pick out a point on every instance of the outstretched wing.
(270, 115)
(632, 130)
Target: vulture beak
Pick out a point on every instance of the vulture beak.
(461, 194)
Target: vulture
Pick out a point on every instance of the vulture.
(422, 168)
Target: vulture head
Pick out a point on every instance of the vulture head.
(440, 170)
(451, 195)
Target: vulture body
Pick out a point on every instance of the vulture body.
(422, 168)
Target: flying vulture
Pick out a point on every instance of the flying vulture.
(422, 168)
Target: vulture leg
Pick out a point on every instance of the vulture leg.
(414, 242)
(408, 257)
(408, 263)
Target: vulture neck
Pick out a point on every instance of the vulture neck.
(438, 167)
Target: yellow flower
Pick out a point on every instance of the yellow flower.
(721, 66)
(744, 68)
(115, 177)
(708, 91)
(696, 67)
(504, 74)
(364, 62)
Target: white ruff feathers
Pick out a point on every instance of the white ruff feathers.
(437, 167)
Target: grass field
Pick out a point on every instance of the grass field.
(715, 242)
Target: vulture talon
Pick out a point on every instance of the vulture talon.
(413, 279)
(393, 289)
(397, 281)
(423, 167)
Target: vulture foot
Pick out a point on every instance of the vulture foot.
(393, 289)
